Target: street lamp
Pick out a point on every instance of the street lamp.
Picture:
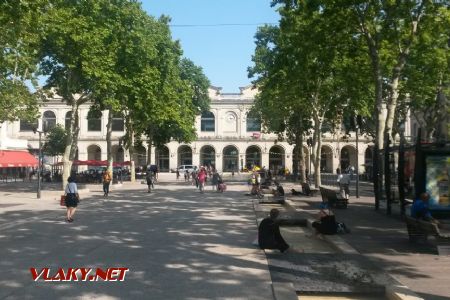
(357, 126)
(401, 167)
(41, 129)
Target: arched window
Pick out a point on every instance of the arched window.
(94, 120)
(67, 120)
(207, 121)
(253, 122)
(49, 120)
(117, 122)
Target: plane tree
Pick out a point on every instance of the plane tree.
(20, 23)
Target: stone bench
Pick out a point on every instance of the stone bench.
(333, 198)
(307, 190)
(419, 230)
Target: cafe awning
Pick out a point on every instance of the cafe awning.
(13, 159)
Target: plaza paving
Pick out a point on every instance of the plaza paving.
(180, 244)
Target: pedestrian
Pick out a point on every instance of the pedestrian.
(148, 177)
(202, 179)
(215, 180)
(178, 174)
(344, 184)
(106, 182)
(72, 198)
(269, 236)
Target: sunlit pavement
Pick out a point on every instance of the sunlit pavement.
(176, 242)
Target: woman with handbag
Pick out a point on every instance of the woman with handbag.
(72, 198)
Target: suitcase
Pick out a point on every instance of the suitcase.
(222, 187)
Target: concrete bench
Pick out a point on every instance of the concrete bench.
(333, 198)
(419, 230)
(307, 190)
(270, 199)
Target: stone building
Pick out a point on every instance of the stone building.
(228, 138)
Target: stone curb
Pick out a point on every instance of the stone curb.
(393, 292)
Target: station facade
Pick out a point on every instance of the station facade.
(228, 137)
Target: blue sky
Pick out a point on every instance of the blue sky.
(224, 52)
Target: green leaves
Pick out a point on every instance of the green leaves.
(20, 24)
(55, 141)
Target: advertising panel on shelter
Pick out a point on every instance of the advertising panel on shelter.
(437, 180)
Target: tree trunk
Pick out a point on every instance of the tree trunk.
(149, 151)
(301, 156)
(131, 150)
(317, 145)
(71, 144)
(108, 141)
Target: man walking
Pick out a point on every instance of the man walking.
(106, 182)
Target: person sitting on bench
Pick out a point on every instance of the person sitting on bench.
(279, 191)
(269, 236)
(296, 193)
(419, 209)
(327, 224)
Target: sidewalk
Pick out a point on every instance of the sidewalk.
(384, 241)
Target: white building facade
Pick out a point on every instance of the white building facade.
(228, 138)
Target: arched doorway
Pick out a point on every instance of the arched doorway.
(348, 158)
(230, 159)
(276, 159)
(140, 156)
(208, 156)
(326, 160)
(162, 158)
(94, 152)
(252, 157)
(184, 155)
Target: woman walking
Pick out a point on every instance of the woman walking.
(72, 198)
(202, 179)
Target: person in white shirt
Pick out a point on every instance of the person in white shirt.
(344, 184)
(72, 198)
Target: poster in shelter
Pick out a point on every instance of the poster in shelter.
(437, 180)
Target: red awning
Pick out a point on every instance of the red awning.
(11, 159)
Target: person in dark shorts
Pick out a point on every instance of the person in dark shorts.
(72, 198)
(269, 236)
(148, 177)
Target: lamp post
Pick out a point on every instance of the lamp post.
(357, 125)
(39, 166)
(401, 168)
(40, 130)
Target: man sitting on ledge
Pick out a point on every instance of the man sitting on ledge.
(269, 236)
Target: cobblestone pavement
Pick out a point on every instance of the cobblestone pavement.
(176, 242)
(180, 244)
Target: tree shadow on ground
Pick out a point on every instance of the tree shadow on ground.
(178, 245)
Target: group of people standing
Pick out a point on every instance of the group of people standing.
(199, 178)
